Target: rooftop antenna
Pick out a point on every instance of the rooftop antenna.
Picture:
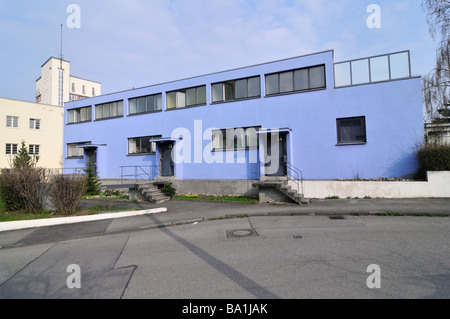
(61, 52)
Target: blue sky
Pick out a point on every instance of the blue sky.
(135, 43)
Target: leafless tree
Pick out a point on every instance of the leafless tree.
(436, 85)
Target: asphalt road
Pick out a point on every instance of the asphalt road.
(262, 257)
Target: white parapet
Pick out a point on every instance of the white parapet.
(437, 186)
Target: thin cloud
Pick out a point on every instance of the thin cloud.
(134, 43)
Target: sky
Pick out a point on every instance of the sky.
(127, 44)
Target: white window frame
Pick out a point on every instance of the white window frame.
(13, 149)
(12, 121)
(35, 124)
(34, 150)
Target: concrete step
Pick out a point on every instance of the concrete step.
(152, 193)
(159, 200)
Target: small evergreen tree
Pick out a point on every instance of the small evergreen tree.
(23, 158)
(93, 182)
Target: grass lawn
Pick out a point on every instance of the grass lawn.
(6, 216)
(240, 199)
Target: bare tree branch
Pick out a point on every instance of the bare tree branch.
(436, 84)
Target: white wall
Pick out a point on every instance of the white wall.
(437, 186)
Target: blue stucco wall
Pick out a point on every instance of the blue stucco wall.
(393, 111)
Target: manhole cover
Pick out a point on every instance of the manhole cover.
(242, 233)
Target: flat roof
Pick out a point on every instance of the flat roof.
(77, 77)
(212, 73)
(52, 57)
(14, 100)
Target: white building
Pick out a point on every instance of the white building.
(56, 86)
(438, 133)
(40, 126)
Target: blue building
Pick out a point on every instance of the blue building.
(360, 118)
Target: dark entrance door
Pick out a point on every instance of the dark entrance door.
(276, 166)
(91, 154)
(167, 164)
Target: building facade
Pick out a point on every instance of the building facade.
(352, 119)
(438, 133)
(56, 86)
(39, 126)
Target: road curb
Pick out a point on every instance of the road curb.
(27, 224)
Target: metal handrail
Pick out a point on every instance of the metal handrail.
(139, 172)
(297, 179)
(67, 171)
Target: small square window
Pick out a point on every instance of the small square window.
(351, 130)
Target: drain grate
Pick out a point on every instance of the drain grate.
(337, 217)
(242, 233)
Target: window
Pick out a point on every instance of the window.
(109, 110)
(84, 89)
(73, 87)
(12, 121)
(235, 139)
(145, 104)
(75, 97)
(35, 124)
(236, 89)
(186, 97)
(73, 151)
(351, 130)
(296, 80)
(93, 91)
(34, 150)
(142, 145)
(11, 149)
(80, 115)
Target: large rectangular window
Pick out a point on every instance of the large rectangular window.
(186, 97)
(296, 80)
(351, 130)
(80, 115)
(12, 121)
(145, 104)
(142, 145)
(236, 89)
(235, 139)
(109, 110)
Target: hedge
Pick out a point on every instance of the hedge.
(434, 157)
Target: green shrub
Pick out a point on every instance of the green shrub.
(433, 157)
(10, 198)
(169, 190)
